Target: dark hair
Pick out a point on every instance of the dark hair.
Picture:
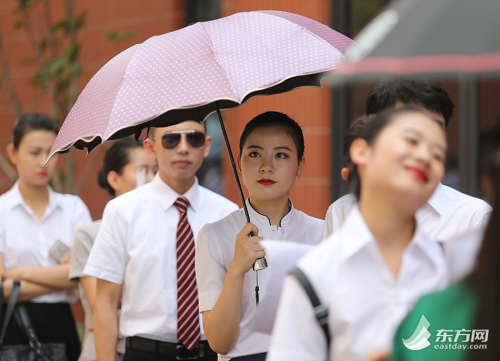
(29, 122)
(485, 280)
(275, 119)
(351, 135)
(115, 159)
(370, 132)
(424, 92)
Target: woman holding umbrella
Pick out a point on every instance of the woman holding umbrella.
(271, 159)
(371, 272)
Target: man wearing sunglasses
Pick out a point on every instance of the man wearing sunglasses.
(146, 248)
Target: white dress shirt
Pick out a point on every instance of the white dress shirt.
(461, 253)
(215, 252)
(366, 304)
(26, 241)
(136, 247)
(447, 214)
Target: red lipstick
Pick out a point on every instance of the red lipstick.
(418, 173)
(266, 182)
(42, 174)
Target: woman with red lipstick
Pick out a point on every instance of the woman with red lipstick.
(270, 160)
(370, 273)
(37, 226)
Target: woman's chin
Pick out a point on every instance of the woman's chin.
(266, 196)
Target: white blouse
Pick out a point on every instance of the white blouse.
(447, 214)
(26, 241)
(215, 248)
(366, 304)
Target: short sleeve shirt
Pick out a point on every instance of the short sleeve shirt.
(26, 241)
(447, 214)
(136, 247)
(215, 251)
(84, 239)
(365, 303)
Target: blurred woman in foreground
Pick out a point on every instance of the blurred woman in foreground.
(371, 272)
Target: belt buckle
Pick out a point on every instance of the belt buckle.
(182, 353)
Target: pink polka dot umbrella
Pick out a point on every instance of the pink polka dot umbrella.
(190, 73)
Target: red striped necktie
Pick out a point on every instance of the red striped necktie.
(188, 323)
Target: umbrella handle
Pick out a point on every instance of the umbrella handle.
(261, 263)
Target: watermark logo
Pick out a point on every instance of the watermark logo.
(446, 339)
(420, 337)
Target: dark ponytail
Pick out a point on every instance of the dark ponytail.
(29, 122)
(115, 159)
(371, 129)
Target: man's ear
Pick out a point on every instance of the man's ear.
(344, 173)
(208, 145)
(148, 146)
(113, 180)
(359, 151)
(12, 154)
(238, 163)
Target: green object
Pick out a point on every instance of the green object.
(449, 318)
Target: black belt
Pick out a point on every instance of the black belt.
(180, 352)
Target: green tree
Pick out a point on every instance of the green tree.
(56, 52)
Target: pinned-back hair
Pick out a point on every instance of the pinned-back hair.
(425, 92)
(369, 133)
(29, 122)
(351, 135)
(116, 158)
(276, 119)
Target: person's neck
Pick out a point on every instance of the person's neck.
(180, 186)
(275, 210)
(35, 197)
(392, 226)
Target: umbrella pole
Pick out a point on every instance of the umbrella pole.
(261, 263)
(233, 165)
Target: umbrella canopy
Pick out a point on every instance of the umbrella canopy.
(182, 75)
(435, 37)
(443, 38)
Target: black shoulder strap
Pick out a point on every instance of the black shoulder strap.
(9, 310)
(24, 321)
(320, 311)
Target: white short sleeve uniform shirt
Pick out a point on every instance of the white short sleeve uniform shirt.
(447, 214)
(26, 241)
(215, 251)
(365, 303)
(136, 247)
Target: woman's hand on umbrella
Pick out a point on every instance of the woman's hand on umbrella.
(248, 249)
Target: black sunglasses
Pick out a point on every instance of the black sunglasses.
(171, 140)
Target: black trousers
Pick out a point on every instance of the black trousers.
(139, 355)
(53, 322)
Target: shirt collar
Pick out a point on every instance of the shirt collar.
(17, 199)
(355, 232)
(263, 220)
(168, 196)
(436, 200)
(357, 235)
